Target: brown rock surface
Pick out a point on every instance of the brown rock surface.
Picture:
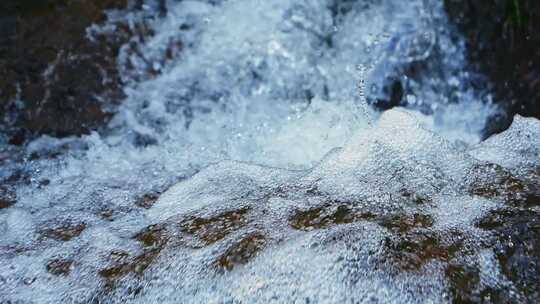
(48, 62)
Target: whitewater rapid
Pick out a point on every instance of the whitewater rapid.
(246, 164)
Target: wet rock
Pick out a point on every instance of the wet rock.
(46, 44)
(402, 223)
(502, 43)
(8, 197)
(59, 267)
(465, 286)
(64, 231)
(337, 213)
(464, 281)
(106, 214)
(147, 200)
(213, 229)
(243, 251)
(394, 92)
(412, 250)
(121, 265)
(494, 182)
(325, 216)
(517, 246)
(414, 197)
(144, 140)
(47, 147)
(153, 236)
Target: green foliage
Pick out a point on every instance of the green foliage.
(517, 15)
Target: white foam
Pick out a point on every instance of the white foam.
(260, 109)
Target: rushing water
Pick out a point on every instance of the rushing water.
(289, 188)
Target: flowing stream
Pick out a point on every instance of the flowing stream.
(248, 165)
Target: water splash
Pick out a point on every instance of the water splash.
(287, 186)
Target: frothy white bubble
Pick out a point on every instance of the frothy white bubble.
(257, 109)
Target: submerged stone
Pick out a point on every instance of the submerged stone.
(147, 200)
(8, 197)
(60, 267)
(212, 229)
(152, 236)
(243, 251)
(403, 223)
(413, 250)
(493, 181)
(326, 216)
(517, 246)
(122, 265)
(64, 231)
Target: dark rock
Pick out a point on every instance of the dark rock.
(465, 286)
(242, 252)
(8, 197)
(65, 231)
(517, 247)
(147, 200)
(59, 266)
(502, 43)
(412, 250)
(414, 197)
(403, 223)
(62, 75)
(394, 91)
(144, 140)
(121, 265)
(213, 229)
(54, 148)
(464, 281)
(338, 213)
(106, 214)
(326, 216)
(18, 138)
(494, 182)
(152, 236)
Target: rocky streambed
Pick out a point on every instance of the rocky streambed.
(285, 151)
